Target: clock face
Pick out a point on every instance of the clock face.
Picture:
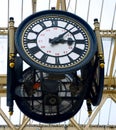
(55, 41)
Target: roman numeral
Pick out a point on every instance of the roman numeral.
(43, 25)
(34, 50)
(77, 50)
(54, 23)
(44, 58)
(80, 41)
(31, 40)
(66, 25)
(34, 32)
(75, 32)
(57, 60)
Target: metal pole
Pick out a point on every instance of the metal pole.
(61, 5)
(99, 43)
(34, 3)
(75, 124)
(11, 43)
(25, 121)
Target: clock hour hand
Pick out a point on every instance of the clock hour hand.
(58, 39)
(61, 40)
(70, 41)
(54, 40)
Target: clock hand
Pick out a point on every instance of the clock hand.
(61, 40)
(70, 41)
(54, 40)
(61, 35)
(57, 39)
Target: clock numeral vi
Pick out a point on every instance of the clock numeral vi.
(44, 58)
(57, 60)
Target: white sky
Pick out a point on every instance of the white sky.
(15, 10)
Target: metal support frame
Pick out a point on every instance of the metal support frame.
(3, 78)
(75, 124)
(99, 43)
(34, 4)
(3, 31)
(3, 85)
(103, 33)
(24, 123)
(11, 43)
(96, 112)
(9, 123)
(112, 63)
(108, 33)
(61, 5)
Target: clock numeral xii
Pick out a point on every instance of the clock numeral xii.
(54, 23)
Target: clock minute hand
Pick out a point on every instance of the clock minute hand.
(59, 38)
(54, 41)
(61, 35)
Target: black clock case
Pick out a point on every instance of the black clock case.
(16, 74)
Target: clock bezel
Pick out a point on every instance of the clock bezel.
(51, 69)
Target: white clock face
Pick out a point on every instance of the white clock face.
(59, 49)
(37, 42)
(55, 41)
(53, 51)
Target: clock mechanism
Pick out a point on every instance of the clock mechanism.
(61, 51)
